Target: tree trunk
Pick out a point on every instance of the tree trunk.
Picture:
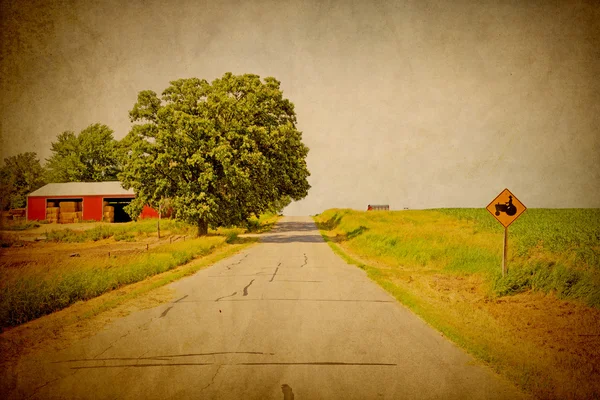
(202, 227)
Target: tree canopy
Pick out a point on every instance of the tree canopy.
(19, 176)
(90, 156)
(220, 151)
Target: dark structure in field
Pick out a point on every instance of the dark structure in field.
(379, 207)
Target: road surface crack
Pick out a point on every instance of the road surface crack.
(169, 309)
(213, 379)
(305, 261)
(111, 345)
(144, 326)
(246, 288)
(138, 360)
(165, 312)
(274, 273)
(223, 297)
(37, 389)
(237, 263)
(177, 301)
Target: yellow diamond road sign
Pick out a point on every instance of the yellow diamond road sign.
(506, 208)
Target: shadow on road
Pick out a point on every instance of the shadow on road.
(290, 226)
(293, 232)
(292, 239)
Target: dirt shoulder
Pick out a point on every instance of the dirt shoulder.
(34, 252)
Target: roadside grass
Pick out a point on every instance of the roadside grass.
(127, 231)
(20, 225)
(445, 266)
(262, 223)
(28, 297)
(40, 288)
(130, 231)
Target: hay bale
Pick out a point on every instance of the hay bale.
(68, 215)
(68, 206)
(104, 203)
(50, 204)
(52, 211)
(109, 209)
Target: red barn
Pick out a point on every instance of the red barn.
(87, 199)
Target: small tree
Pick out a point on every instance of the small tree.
(220, 151)
(19, 176)
(90, 156)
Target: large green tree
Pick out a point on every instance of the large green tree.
(220, 151)
(19, 176)
(90, 156)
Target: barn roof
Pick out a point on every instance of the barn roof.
(82, 189)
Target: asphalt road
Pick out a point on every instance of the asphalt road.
(286, 319)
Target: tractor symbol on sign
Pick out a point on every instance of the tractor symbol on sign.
(508, 208)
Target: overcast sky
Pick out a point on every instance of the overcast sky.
(415, 104)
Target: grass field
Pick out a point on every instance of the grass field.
(538, 326)
(77, 265)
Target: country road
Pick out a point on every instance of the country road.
(284, 319)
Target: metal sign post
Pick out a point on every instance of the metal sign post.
(505, 247)
(506, 208)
